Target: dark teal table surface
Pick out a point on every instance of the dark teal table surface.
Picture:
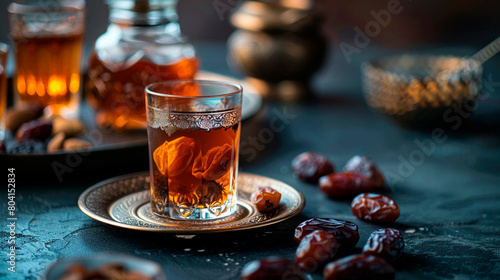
(449, 198)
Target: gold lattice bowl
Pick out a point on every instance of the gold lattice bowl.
(419, 89)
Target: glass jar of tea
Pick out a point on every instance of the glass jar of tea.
(142, 45)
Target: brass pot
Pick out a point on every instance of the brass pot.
(278, 47)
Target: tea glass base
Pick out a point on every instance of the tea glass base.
(197, 214)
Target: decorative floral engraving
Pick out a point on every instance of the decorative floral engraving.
(125, 202)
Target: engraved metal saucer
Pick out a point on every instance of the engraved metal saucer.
(124, 202)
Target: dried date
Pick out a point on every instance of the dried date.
(385, 243)
(217, 162)
(56, 143)
(272, 268)
(315, 250)
(265, 198)
(34, 130)
(310, 166)
(70, 128)
(17, 116)
(358, 267)
(172, 158)
(214, 164)
(341, 185)
(345, 232)
(365, 167)
(375, 207)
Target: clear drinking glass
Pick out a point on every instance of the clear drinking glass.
(4, 51)
(194, 134)
(47, 38)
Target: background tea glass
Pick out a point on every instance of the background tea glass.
(47, 41)
(4, 51)
(194, 134)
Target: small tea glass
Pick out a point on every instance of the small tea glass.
(47, 39)
(193, 135)
(4, 53)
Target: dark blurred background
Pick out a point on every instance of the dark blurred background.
(464, 22)
(459, 27)
(459, 22)
(199, 20)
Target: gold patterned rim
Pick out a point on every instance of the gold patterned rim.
(124, 202)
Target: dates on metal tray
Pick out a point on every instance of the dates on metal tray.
(359, 267)
(265, 198)
(345, 232)
(34, 130)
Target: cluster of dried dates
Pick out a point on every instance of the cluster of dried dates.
(29, 132)
(360, 177)
(320, 239)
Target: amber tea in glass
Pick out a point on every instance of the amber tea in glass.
(4, 50)
(47, 41)
(193, 133)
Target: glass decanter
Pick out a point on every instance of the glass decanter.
(142, 45)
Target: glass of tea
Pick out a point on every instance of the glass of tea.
(47, 40)
(4, 51)
(194, 134)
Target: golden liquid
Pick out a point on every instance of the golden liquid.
(3, 95)
(48, 70)
(118, 95)
(198, 170)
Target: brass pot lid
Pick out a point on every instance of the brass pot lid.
(284, 15)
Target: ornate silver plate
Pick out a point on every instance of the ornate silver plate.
(124, 202)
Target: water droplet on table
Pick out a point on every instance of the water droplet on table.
(185, 236)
